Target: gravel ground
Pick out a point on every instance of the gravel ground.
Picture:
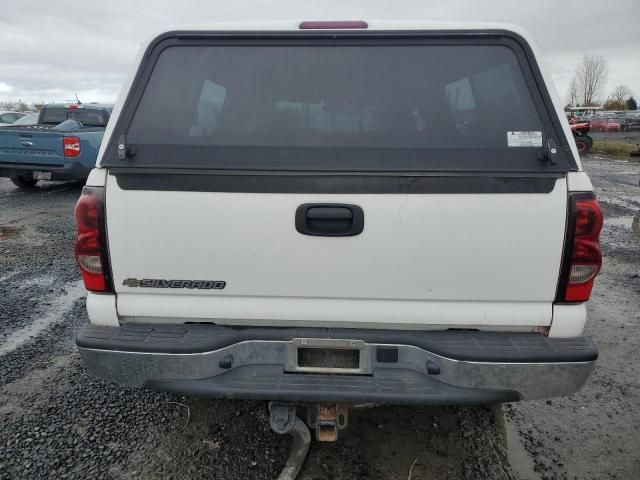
(56, 421)
(594, 433)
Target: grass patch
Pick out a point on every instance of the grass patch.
(616, 148)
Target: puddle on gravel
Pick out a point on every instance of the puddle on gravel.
(519, 459)
(629, 223)
(10, 233)
(620, 199)
(521, 462)
(40, 281)
(619, 221)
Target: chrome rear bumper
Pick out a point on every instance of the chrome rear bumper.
(267, 365)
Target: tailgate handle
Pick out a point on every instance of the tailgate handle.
(329, 219)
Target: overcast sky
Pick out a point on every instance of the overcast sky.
(51, 49)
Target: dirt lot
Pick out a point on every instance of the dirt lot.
(56, 421)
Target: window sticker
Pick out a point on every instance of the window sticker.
(524, 139)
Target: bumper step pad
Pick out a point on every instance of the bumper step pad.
(458, 345)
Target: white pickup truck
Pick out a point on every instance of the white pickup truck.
(363, 212)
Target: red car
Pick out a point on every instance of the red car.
(604, 125)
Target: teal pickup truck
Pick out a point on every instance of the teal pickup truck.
(62, 145)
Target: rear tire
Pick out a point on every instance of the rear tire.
(23, 181)
(584, 144)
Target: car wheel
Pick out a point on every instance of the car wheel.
(584, 144)
(23, 181)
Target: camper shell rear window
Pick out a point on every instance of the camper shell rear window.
(90, 117)
(349, 102)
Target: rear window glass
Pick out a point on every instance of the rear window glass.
(260, 106)
(89, 117)
(10, 117)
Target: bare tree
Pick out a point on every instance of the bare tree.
(591, 75)
(621, 93)
(572, 93)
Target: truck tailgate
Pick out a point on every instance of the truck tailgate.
(422, 259)
(31, 146)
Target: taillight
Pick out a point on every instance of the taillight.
(91, 248)
(583, 258)
(71, 146)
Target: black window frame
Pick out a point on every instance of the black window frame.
(444, 159)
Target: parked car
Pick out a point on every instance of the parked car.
(312, 226)
(61, 145)
(631, 122)
(604, 124)
(7, 118)
(619, 117)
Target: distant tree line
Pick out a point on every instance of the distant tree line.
(21, 106)
(621, 98)
(588, 83)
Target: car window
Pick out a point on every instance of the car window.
(356, 107)
(54, 115)
(30, 119)
(9, 117)
(314, 96)
(89, 117)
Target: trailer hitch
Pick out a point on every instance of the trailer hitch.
(327, 419)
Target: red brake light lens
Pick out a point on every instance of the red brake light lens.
(90, 247)
(584, 258)
(71, 146)
(333, 25)
(588, 219)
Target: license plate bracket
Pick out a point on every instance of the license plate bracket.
(42, 175)
(334, 356)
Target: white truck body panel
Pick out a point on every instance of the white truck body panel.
(417, 258)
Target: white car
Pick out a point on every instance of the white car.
(359, 212)
(7, 118)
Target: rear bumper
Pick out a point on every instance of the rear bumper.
(439, 368)
(67, 171)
